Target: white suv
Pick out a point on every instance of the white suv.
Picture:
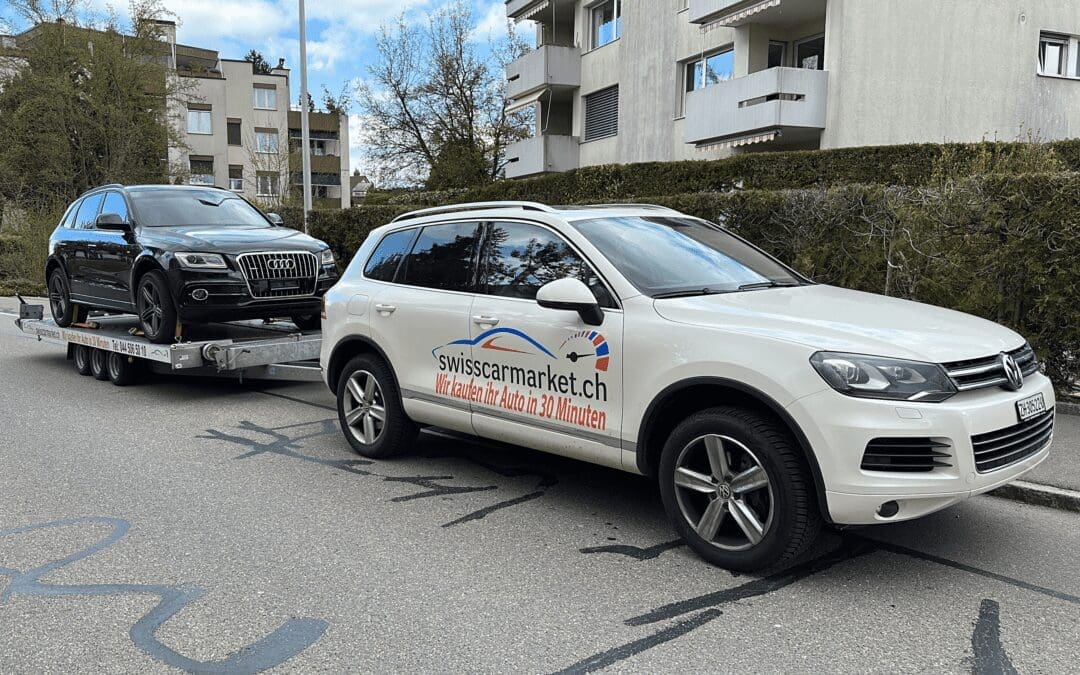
(646, 340)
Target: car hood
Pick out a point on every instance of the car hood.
(231, 239)
(836, 319)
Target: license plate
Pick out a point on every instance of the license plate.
(1029, 407)
(284, 285)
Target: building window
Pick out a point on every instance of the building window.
(777, 51)
(602, 113)
(201, 170)
(236, 177)
(709, 70)
(266, 141)
(233, 128)
(606, 22)
(810, 53)
(267, 184)
(1059, 55)
(265, 97)
(198, 121)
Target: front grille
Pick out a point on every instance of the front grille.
(998, 449)
(988, 371)
(904, 455)
(280, 274)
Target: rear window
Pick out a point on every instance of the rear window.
(170, 208)
(383, 263)
(442, 257)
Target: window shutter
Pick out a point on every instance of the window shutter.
(602, 113)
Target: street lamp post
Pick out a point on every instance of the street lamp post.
(305, 130)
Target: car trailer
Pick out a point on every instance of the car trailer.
(109, 347)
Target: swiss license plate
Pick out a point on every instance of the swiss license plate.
(283, 285)
(1029, 407)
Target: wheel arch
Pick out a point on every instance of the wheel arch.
(143, 264)
(52, 262)
(346, 349)
(686, 397)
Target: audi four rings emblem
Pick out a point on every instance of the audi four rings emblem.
(1013, 374)
(280, 264)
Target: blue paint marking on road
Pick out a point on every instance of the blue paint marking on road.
(288, 640)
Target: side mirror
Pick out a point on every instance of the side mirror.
(275, 219)
(572, 295)
(112, 221)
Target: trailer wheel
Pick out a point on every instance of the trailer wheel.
(98, 367)
(123, 370)
(80, 356)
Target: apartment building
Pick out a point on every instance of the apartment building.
(240, 133)
(620, 81)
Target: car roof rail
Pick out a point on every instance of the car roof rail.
(474, 206)
(647, 207)
(102, 187)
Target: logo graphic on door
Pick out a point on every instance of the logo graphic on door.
(587, 344)
(509, 340)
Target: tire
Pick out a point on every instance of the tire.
(64, 311)
(123, 370)
(155, 307)
(307, 321)
(98, 366)
(764, 520)
(80, 356)
(368, 381)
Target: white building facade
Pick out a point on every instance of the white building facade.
(621, 81)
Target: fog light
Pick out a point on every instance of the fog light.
(200, 294)
(888, 509)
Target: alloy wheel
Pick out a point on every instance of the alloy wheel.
(724, 492)
(150, 311)
(57, 296)
(365, 407)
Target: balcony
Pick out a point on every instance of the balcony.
(779, 101)
(547, 67)
(542, 154)
(732, 13)
(521, 10)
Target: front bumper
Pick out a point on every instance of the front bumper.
(839, 428)
(228, 297)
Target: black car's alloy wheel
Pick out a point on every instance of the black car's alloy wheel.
(64, 311)
(157, 313)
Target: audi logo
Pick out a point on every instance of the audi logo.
(281, 264)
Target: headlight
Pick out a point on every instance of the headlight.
(877, 377)
(201, 261)
(327, 257)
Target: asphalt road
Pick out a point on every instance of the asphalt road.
(218, 527)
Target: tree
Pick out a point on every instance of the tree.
(86, 107)
(431, 89)
(259, 66)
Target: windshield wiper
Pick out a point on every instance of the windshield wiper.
(688, 293)
(766, 284)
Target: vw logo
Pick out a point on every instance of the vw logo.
(723, 491)
(1013, 374)
(280, 264)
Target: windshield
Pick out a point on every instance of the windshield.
(169, 208)
(668, 257)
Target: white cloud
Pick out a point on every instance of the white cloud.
(492, 23)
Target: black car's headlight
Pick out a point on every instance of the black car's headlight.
(883, 378)
(327, 257)
(201, 261)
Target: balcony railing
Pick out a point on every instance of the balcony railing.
(773, 99)
(542, 154)
(549, 66)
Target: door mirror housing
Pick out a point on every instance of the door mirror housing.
(572, 295)
(112, 221)
(275, 219)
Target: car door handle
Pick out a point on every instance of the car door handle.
(482, 320)
(385, 309)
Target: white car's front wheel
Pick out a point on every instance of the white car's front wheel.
(737, 489)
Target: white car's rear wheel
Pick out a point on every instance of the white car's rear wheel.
(370, 411)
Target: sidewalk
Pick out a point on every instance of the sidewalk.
(1055, 482)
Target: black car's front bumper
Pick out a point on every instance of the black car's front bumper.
(228, 296)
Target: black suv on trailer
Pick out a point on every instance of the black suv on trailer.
(174, 254)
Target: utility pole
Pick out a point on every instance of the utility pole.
(305, 130)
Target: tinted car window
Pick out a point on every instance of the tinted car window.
(69, 216)
(384, 262)
(169, 208)
(442, 257)
(88, 212)
(114, 203)
(519, 258)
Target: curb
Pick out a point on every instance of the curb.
(1040, 495)
(1066, 408)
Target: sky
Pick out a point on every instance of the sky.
(340, 35)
